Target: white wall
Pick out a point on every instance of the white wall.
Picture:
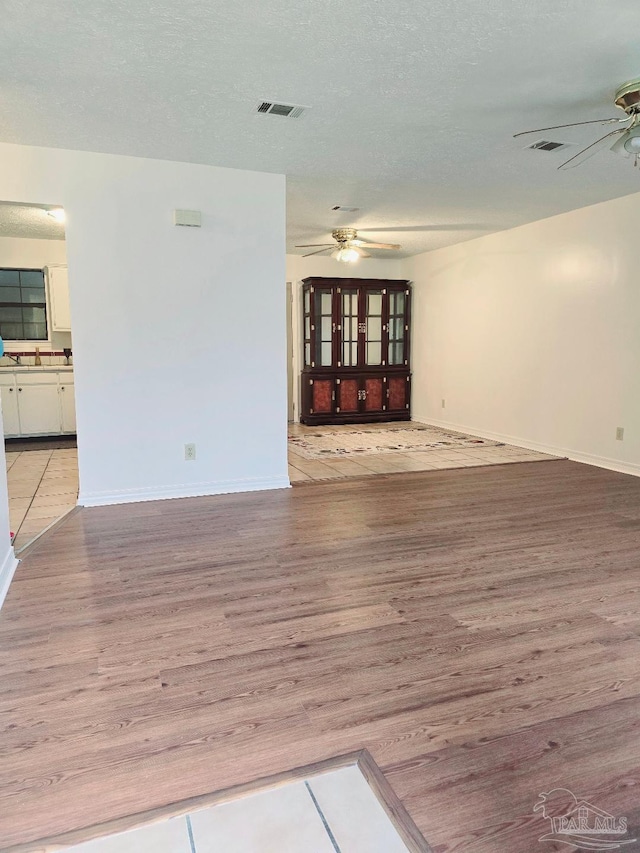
(26, 252)
(532, 335)
(8, 562)
(178, 333)
(299, 268)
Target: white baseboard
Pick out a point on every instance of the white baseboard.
(574, 455)
(190, 490)
(9, 565)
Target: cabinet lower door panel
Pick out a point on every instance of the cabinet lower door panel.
(347, 393)
(373, 387)
(68, 408)
(322, 396)
(39, 408)
(355, 397)
(10, 418)
(397, 393)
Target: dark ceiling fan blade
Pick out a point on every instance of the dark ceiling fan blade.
(590, 150)
(314, 245)
(319, 252)
(369, 245)
(573, 124)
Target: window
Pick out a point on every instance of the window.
(23, 305)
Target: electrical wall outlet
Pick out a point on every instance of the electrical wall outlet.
(189, 452)
(619, 433)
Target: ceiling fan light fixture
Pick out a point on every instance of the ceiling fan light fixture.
(632, 144)
(628, 143)
(347, 254)
(347, 248)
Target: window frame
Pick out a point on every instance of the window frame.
(17, 342)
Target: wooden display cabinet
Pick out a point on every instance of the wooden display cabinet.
(355, 350)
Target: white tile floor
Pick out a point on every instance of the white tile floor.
(43, 486)
(302, 469)
(334, 812)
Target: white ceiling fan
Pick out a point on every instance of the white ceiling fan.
(623, 140)
(348, 247)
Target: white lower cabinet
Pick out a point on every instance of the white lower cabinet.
(10, 417)
(39, 409)
(37, 403)
(67, 405)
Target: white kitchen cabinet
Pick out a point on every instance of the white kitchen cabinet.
(67, 405)
(10, 418)
(38, 408)
(60, 320)
(37, 401)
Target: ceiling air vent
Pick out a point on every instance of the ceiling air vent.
(285, 110)
(545, 145)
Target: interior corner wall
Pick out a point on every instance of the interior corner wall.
(179, 333)
(531, 335)
(299, 268)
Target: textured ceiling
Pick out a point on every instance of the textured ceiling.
(413, 104)
(25, 220)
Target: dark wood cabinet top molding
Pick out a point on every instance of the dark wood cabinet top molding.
(357, 282)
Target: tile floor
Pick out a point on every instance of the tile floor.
(334, 812)
(301, 469)
(43, 485)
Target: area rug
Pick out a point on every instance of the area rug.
(355, 442)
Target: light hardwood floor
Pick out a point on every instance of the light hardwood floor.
(478, 630)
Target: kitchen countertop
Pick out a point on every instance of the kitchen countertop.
(30, 368)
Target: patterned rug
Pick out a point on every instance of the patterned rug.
(355, 442)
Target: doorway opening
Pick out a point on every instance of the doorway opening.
(352, 386)
(37, 386)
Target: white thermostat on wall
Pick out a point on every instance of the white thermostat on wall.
(192, 218)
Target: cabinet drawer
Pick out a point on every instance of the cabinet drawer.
(37, 378)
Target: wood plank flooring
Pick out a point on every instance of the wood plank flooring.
(478, 630)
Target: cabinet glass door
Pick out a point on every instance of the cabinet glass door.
(349, 326)
(323, 323)
(306, 312)
(373, 328)
(397, 324)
